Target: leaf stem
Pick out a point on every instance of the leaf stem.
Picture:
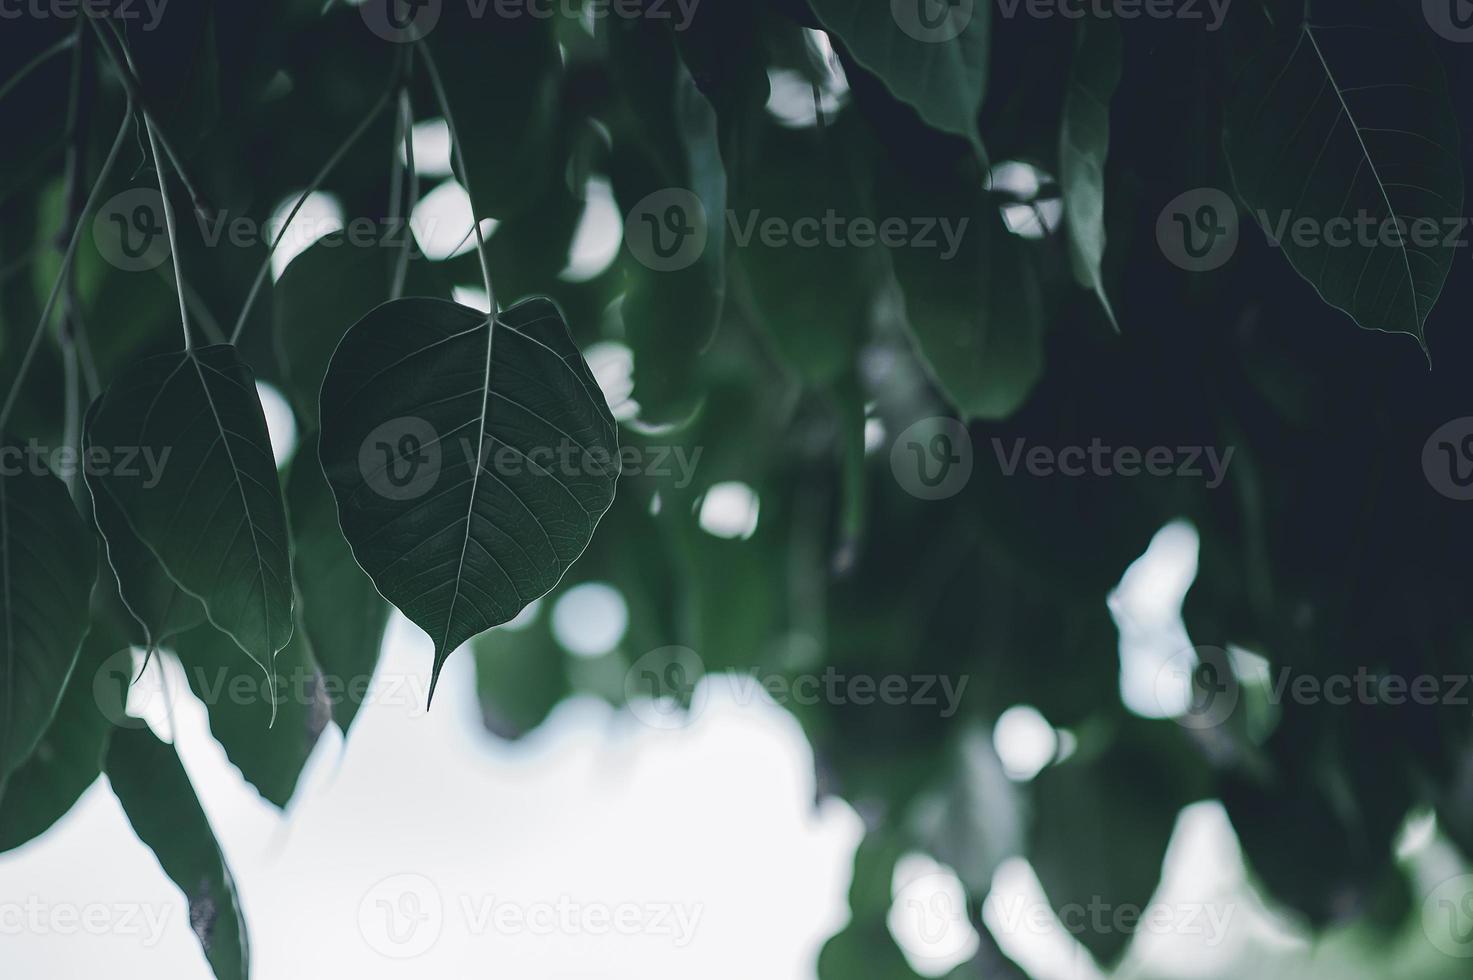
(327, 168)
(37, 62)
(134, 88)
(403, 209)
(66, 261)
(170, 227)
(459, 155)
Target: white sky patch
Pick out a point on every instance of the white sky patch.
(564, 814)
(473, 296)
(928, 916)
(598, 237)
(612, 364)
(281, 424)
(431, 138)
(321, 215)
(1146, 606)
(730, 510)
(441, 223)
(590, 620)
(1025, 742)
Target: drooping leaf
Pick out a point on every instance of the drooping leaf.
(974, 308)
(931, 55)
(241, 707)
(342, 614)
(154, 599)
(68, 759)
(1341, 132)
(470, 464)
(1102, 822)
(160, 803)
(668, 157)
(210, 509)
(47, 566)
(1084, 142)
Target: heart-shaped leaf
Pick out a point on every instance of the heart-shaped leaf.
(1084, 141)
(932, 54)
(160, 803)
(47, 566)
(201, 491)
(470, 464)
(1343, 141)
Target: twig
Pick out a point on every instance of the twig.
(66, 261)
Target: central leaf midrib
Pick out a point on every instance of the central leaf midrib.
(470, 507)
(244, 502)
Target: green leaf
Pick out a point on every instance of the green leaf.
(68, 759)
(470, 464)
(521, 675)
(938, 65)
(203, 494)
(47, 566)
(146, 590)
(154, 789)
(1347, 119)
(241, 711)
(977, 316)
(342, 614)
(1102, 823)
(1084, 142)
(666, 154)
(323, 292)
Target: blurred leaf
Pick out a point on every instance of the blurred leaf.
(342, 614)
(1084, 141)
(520, 676)
(930, 54)
(976, 315)
(324, 291)
(154, 790)
(268, 731)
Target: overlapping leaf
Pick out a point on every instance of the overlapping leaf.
(203, 496)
